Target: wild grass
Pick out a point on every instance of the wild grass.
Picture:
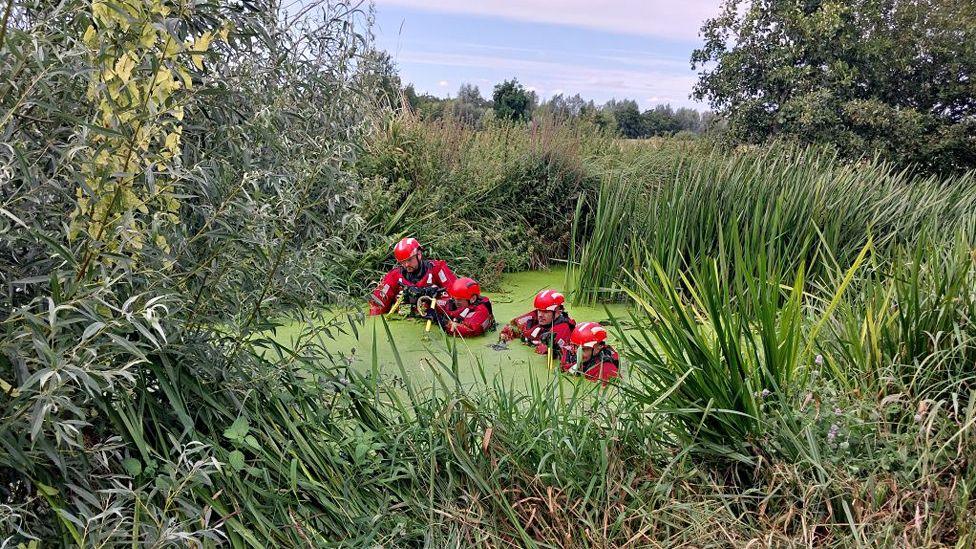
(800, 207)
(799, 372)
(497, 199)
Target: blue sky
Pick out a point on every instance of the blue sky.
(625, 49)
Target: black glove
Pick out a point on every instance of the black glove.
(411, 294)
(430, 291)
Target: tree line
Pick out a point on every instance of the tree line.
(887, 78)
(510, 100)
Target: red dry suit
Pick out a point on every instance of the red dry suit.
(473, 320)
(602, 366)
(555, 335)
(431, 273)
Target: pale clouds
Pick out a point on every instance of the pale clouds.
(548, 78)
(671, 19)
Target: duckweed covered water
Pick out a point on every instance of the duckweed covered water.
(422, 353)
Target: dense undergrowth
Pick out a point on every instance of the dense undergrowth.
(801, 352)
(502, 198)
(677, 205)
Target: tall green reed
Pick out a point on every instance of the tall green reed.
(804, 204)
(908, 328)
(715, 355)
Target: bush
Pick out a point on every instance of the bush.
(498, 199)
(170, 178)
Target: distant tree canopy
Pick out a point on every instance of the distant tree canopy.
(511, 101)
(567, 107)
(895, 77)
(469, 106)
(662, 120)
(628, 118)
(378, 73)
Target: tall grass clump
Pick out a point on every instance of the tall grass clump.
(909, 329)
(853, 393)
(501, 198)
(801, 205)
(715, 355)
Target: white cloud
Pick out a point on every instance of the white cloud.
(661, 18)
(442, 83)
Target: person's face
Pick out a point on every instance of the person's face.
(463, 302)
(545, 317)
(588, 352)
(412, 263)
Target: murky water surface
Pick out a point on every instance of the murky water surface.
(421, 351)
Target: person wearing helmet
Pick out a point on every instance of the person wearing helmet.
(547, 326)
(414, 276)
(467, 313)
(589, 355)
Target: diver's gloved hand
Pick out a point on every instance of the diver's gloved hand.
(432, 291)
(413, 293)
(541, 349)
(569, 351)
(428, 309)
(433, 314)
(507, 333)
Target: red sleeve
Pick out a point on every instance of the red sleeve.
(605, 371)
(444, 276)
(385, 294)
(522, 322)
(444, 307)
(561, 333)
(475, 324)
(566, 351)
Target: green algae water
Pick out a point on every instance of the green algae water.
(423, 353)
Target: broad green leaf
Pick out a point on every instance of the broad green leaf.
(132, 466)
(238, 430)
(236, 460)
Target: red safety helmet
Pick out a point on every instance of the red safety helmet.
(405, 249)
(588, 334)
(464, 288)
(549, 300)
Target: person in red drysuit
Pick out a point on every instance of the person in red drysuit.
(548, 325)
(589, 355)
(414, 276)
(467, 313)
